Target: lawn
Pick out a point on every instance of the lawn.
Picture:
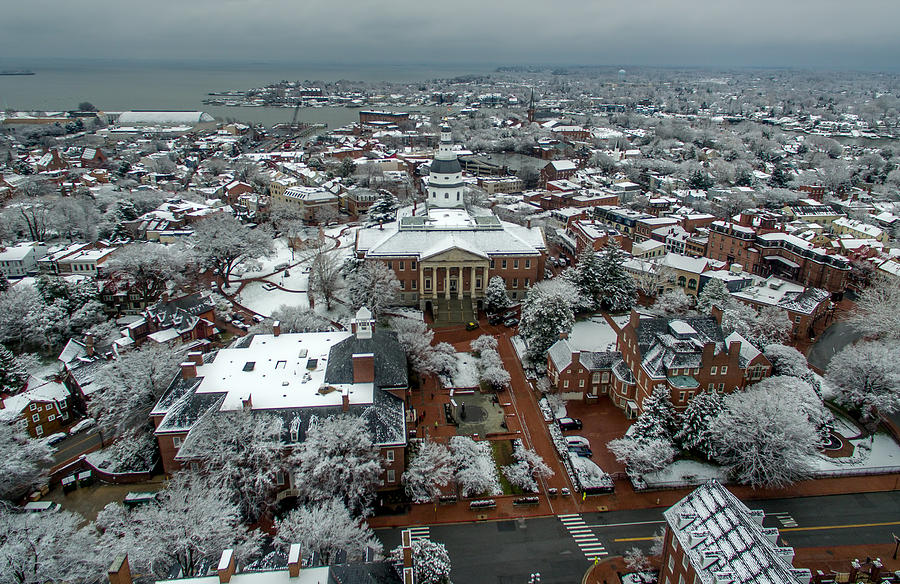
(502, 451)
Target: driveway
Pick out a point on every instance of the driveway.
(836, 337)
(74, 446)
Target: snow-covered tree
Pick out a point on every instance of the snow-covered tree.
(12, 374)
(425, 359)
(476, 473)
(528, 468)
(636, 560)
(24, 462)
(588, 277)
(495, 296)
(338, 460)
(26, 320)
(695, 423)
(299, 319)
(430, 469)
(616, 291)
(876, 311)
(786, 360)
(431, 562)
(643, 456)
(220, 242)
(658, 418)
(482, 343)
(866, 376)
(324, 269)
(491, 369)
(194, 521)
(36, 548)
(131, 384)
(763, 437)
(547, 312)
(326, 528)
(672, 303)
(384, 209)
(769, 325)
(147, 269)
(373, 285)
(242, 449)
(714, 293)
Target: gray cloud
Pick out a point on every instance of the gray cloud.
(837, 33)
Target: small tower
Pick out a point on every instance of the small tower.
(445, 184)
(531, 109)
(363, 323)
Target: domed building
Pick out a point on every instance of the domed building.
(445, 256)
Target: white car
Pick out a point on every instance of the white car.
(577, 441)
(83, 425)
(42, 507)
(56, 438)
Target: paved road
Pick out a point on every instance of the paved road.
(507, 552)
(835, 338)
(75, 446)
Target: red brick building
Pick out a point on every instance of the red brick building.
(558, 169)
(42, 408)
(764, 251)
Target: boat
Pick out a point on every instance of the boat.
(17, 72)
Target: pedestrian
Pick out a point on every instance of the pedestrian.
(435, 424)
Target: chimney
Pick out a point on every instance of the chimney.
(576, 356)
(875, 570)
(716, 313)
(294, 560)
(757, 515)
(247, 402)
(804, 576)
(226, 566)
(2, 403)
(345, 400)
(363, 368)
(188, 370)
(785, 552)
(276, 328)
(634, 319)
(119, 572)
(89, 345)
(723, 578)
(771, 533)
(195, 357)
(854, 571)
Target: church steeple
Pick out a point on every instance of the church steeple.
(445, 184)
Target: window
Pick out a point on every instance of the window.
(415, 284)
(681, 396)
(515, 264)
(446, 195)
(605, 377)
(36, 418)
(721, 388)
(176, 441)
(672, 558)
(389, 455)
(279, 478)
(711, 387)
(412, 265)
(427, 284)
(63, 405)
(581, 383)
(696, 371)
(724, 369)
(391, 475)
(39, 430)
(32, 407)
(595, 378)
(713, 370)
(503, 264)
(566, 383)
(51, 418)
(492, 264)
(527, 282)
(797, 319)
(527, 264)
(400, 265)
(515, 283)
(403, 284)
(478, 282)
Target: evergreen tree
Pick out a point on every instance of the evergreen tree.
(588, 277)
(495, 297)
(617, 291)
(695, 423)
(12, 376)
(384, 209)
(547, 312)
(658, 419)
(714, 293)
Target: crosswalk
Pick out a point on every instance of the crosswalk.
(785, 519)
(419, 532)
(583, 535)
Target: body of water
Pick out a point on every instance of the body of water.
(131, 86)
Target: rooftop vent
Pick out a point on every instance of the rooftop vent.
(312, 364)
(249, 365)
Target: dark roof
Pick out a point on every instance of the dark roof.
(390, 359)
(372, 573)
(595, 360)
(445, 166)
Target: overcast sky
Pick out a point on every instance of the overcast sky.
(820, 33)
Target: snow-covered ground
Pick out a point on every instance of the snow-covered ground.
(593, 335)
(406, 312)
(869, 455)
(264, 302)
(685, 472)
(466, 372)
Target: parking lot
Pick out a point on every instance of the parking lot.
(602, 422)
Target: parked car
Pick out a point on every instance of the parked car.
(56, 438)
(471, 325)
(495, 319)
(511, 322)
(240, 324)
(83, 425)
(569, 424)
(281, 266)
(581, 451)
(578, 441)
(42, 507)
(258, 318)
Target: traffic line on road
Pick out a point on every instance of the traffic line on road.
(848, 526)
(584, 537)
(784, 518)
(419, 532)
(627, 524)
